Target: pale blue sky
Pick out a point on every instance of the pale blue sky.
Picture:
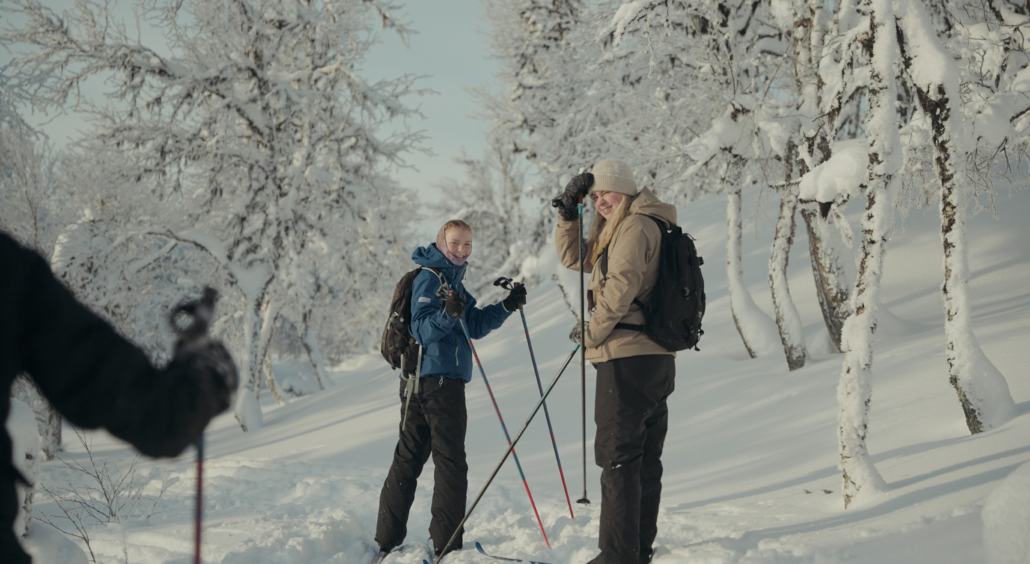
(451, 47)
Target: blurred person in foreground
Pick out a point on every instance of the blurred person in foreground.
(97, 379)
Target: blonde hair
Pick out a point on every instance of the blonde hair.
(602, 230)
(456, 223)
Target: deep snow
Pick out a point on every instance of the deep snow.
(750, 460)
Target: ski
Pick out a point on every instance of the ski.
(479, 547)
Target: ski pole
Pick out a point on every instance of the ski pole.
(199, 516)
(190, 321)
(511, 450)
(506, 283)
(505, 429)
(582, 355)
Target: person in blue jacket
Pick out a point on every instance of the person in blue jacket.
(437, 417)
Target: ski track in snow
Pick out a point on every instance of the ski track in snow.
(750, 454)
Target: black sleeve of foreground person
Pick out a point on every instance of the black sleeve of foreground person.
(90, 374)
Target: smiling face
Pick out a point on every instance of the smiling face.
(459, 243)
(605, 202)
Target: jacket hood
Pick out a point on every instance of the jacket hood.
(646, 203)
(432, 257)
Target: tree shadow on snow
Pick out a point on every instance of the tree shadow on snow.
(832, 471)
(752, 539)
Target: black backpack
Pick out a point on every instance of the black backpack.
(673, 317)
(399, 345)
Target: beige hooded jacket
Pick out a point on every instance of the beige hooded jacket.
(631, 273)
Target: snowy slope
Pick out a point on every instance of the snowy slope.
(750, 460)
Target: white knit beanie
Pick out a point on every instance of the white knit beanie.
(613, 175)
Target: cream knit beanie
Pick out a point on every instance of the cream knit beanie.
(613, 175)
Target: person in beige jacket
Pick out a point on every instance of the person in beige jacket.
(635, 375)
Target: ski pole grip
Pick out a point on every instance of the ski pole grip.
(190, 320)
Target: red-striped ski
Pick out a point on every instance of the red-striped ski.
(479, 547)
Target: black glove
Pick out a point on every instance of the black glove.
(575, 336)
(516, 298)
(209, 363)
(455, 304)
(197, 353)
(568, 202)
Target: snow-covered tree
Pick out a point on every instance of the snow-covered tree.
(735, 49)
(808, 31)
(21, 428)
(866, 54)
(255, 138)
(48, 420)
(981, 388)
(788, 320)
(542, 106)
(28, 188)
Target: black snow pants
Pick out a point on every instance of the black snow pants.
(632, 419)
(436, 425)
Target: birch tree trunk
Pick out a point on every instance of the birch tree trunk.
(831, 279)
(310, 342)
(831, 283)
(48, 420)
(982, 390)
(24, 448)
(854, 392)
(757, 330)
(268, 319)
(741, 302)
(248, 411)
(787, 319)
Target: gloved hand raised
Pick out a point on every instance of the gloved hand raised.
(568, 202)
(454, 305)
(516, 298)
(197, 354)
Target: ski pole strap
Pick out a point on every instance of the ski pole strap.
(411, 388)
(418, 367)
(408, 392)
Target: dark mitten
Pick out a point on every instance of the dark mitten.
(568, 202)
(516, 298)
(212, 365)
(195, 352)
(575, 336)
(455, 304)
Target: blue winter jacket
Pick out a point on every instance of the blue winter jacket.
(445, 351)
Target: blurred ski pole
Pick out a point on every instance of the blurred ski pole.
(190, 321)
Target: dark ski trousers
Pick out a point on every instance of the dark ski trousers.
(632, 419)
(436, 425)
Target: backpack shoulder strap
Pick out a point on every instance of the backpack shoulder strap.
(437, 273)
(664, 228)
(663, 225)
(443, 281)
(441, 292)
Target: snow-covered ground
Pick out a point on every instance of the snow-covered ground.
(750, 460)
